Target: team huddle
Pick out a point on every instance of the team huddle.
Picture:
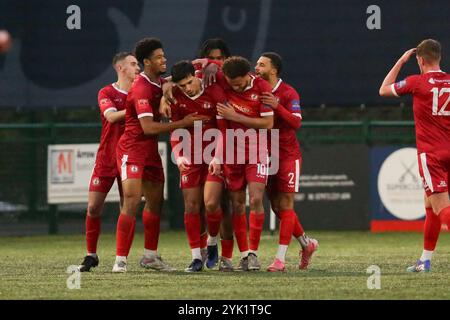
(231, 130)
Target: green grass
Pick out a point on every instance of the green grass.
(35, 268)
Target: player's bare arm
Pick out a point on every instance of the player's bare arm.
(164, 106)
(385, 89)
(115, 116)
(229, 113)
(151, 127)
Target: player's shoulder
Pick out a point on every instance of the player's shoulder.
(106, 90)
(261, 84)
(287, 88)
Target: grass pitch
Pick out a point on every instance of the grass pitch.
(35, 268)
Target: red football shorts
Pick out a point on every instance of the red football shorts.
(434, 173)
(196, 175)
(287, 178)
(134, 170)
(237, 176)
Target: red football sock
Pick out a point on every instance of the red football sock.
(227, 248)
(431, 231)
(151, 230)
(298, 228)
(131, 236)
(444, 216)
(204, 240)
(192, 224)
(213, 220)
(256, 226)
(124, 226)
(287, 222)
(93, 226)
(240, 231)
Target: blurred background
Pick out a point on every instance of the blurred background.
(50, 78)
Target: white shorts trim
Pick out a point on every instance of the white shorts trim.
(297, 175)
(426, 172)
(123, 171)
(266, 114)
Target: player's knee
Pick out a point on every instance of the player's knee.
(286, 203)
(256, 200)
(94, 210)
(238, 207)
(212, 205)
(192, 206)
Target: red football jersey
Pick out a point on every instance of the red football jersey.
(431, 105)
(143, 101)
(203, 103)
(289, 99)
(110, 98)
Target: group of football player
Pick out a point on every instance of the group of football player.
(216, 93)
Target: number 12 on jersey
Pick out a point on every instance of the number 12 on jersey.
(436, 95)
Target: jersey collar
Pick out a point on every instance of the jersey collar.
(434, 71)
(251, 83)
(118, 89)
(277, 85)
(148, 79)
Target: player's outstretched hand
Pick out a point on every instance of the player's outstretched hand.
(214, 167)
(405, 57)
(167, 88)
(269, 99)
(209, 74)
(189, 120)
(164, 108)
(201, 61)
(182, 164)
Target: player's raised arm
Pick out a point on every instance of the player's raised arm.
(386, 87)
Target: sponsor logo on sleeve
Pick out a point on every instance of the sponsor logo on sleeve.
(143, 103)
(295, 105)
(104, 102)
(400, 84)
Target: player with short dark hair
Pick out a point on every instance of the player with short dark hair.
(245, 113)
(138, 158)
(431, 98)
(200, 181)
(285, 101)
(111, 101)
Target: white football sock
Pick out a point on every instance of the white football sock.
(244, 254)
(121, 258)
(281, 253)
(150, 253)
(196, 254)
(212, 241)
(92, 254)
(426, 255)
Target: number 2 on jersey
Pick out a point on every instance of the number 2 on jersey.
(436, 95)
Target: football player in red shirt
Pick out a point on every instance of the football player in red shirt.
(111, 100)
(245, 113)
(200, 178)
(282, 185)
(431, 105)
(138, 158)
(214, 49)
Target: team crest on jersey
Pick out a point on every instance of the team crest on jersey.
(207, 105)
(134, 169)
(143, 103)
(105, 101)
(431, 80)
(96, 181)
(182, 105)
(254, 97)
(184, 179)
(118, 100)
